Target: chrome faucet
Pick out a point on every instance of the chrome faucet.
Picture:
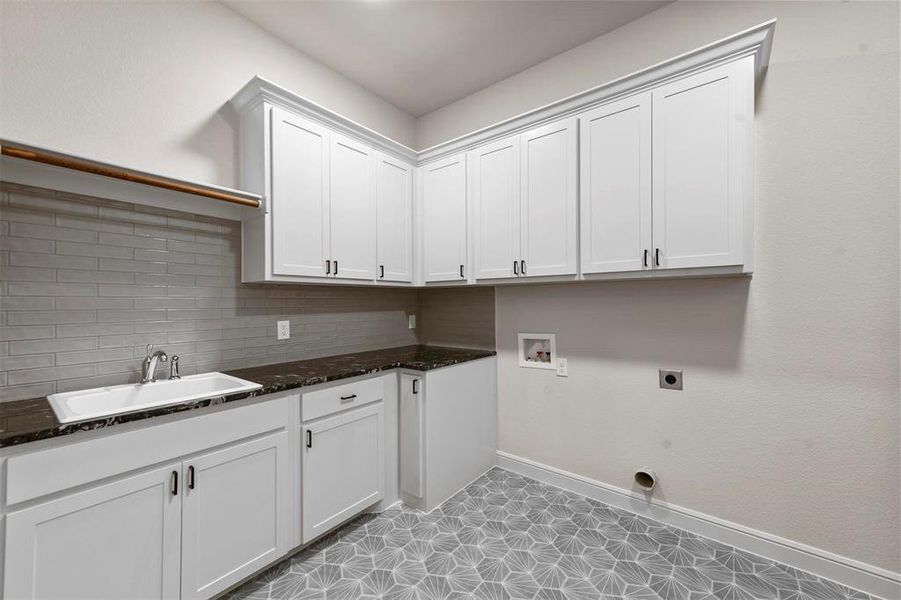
(148, 368)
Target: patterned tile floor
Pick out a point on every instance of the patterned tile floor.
(507, 536)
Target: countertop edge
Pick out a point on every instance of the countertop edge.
(442, 357)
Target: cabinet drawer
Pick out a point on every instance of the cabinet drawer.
(340, 397)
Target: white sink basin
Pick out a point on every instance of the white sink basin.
(115, 400)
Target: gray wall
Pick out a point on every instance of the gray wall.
(86, 283)
(789, 422)
(146, 84)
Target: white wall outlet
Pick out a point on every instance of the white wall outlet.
(562, 367)
(411, 321)
(284, 330)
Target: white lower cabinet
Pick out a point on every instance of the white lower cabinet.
(448, 430)
(117, 540)
(235, 507)
(184, 509)
(343, 467)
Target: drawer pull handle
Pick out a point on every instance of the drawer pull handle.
(309, 438)
(415, 386)
(346, 398)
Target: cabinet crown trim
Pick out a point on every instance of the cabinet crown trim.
(259, 90)
(755, 41)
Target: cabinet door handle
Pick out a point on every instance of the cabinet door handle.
(328, 267)
(336, 267)
(174, 486)
(309, 438)
(346, 398)
(516, 267)
(522, 266)
(461, 272)
(657, 257)
(381, 271)
(415, 386)
(644, 261)
(191, 477)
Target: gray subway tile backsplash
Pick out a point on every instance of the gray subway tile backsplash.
(87, 283)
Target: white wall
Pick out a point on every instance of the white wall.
(789, 422)
(144, 84)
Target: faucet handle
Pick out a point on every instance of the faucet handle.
(149, 349)
(173, 372)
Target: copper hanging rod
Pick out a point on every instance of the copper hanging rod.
(49, 158)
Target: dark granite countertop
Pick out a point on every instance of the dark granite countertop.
(23, 421)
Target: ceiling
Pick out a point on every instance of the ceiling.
(422, 55)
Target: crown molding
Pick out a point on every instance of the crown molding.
(755, 41)
(259, 90)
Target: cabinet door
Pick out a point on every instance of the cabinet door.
(444, 218)
(300, 195)
(549, 211)
(118, 540)
(701, 133)
(495, 201)
(352, 209)
(412, 442)
(235, 515)
(616, 186)
(394, 214)
(343, 467)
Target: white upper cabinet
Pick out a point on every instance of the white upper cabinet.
(702, 129)
(523, 197)
(444, 219)
(549, 214)
(495, 202)
(615, 172)
(648, 175)
(394, 214)
(351, 221)
(300, 196)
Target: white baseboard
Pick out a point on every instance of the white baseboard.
(849, 572)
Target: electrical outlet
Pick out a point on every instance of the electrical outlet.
(670, 380)
(284, 330)
(562, 367)
(411, 321)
